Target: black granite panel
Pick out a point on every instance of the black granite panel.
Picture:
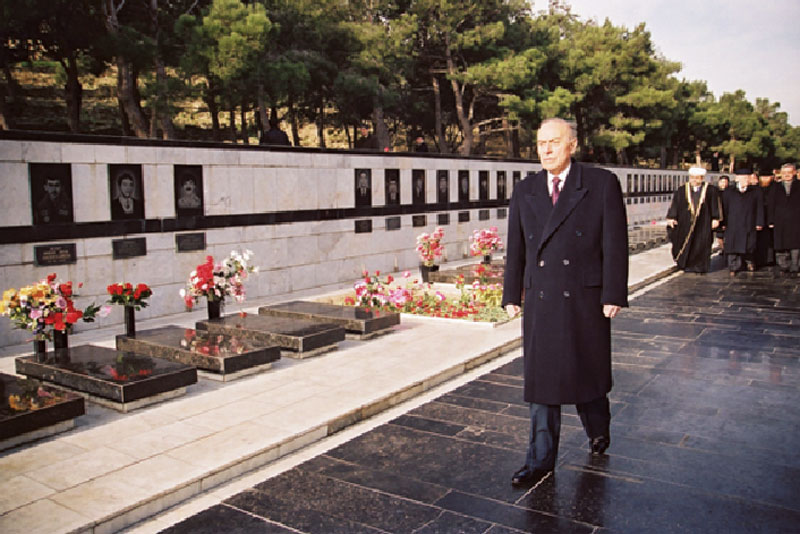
(363, 227)
(58, 254)
(27, 405)
(493, 273)
(128, 248)
(217, 353)
(419, 220)
(115, 375)
(443, 219)
(354, 319)
(298, 335)
(190, 242)
(483, 215)
(222, 518)
(393, 223)
(463, 216)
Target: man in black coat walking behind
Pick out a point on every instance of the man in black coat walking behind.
(567, 255)
(784, 217)
(743, 211)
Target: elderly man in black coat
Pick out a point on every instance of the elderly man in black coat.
(744, 216)
(567, 255)
(784, 217)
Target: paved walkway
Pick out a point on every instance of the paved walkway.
(114, 470)
(705, 429)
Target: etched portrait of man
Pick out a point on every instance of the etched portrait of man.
(363, 187)
(501, 185)
(418, 186)
(442, 187)
(463, 186)
(127, 192)
(483, 185)
(188, 190)
(51, 193)
(392, 184)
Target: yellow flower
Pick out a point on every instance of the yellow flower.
(3, 308)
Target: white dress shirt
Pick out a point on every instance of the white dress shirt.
(562, 177)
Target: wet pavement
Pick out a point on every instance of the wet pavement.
(705, 422)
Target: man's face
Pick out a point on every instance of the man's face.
(722, 184)
(695, 181)
(53, 188)
(554, 146)
(126, 187)
(752, 179)
(188, 187)
(362, 180)
(765, 180)
(364, 132)
(787, 173)
(443, 184)
(742, 180)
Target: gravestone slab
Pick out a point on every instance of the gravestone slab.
(117, 379)
(356, 320)
(298, 338)
(31, 410)
(493, 273)
(60, 254)
(222, 356)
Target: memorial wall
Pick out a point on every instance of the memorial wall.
(101, 210)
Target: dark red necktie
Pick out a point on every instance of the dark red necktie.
(556, 191)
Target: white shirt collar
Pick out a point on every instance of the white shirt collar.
(562, 176)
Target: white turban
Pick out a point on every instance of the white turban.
(697, 171)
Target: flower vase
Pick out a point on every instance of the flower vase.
(487, 259)
(214, 308)
(130, 321)
(39, 348)
(426, 270)
(61, 343)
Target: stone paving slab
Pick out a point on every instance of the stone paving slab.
(702, 441)
(219, 431)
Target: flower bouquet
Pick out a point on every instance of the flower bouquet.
(216, 281)
(46, 307)
(484, 242)
(429, 246)
(132, 298)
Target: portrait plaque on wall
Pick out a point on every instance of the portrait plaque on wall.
(393, 223)
(463, 186)
(483, 215)
(51, 193)
(60, 254)
(443, 219)
(418, 186)
(188, 190)
(463, 216)
(442, 187)
(126, 190)
(501, 186)
(483, 185)
(392, 186)
(190, 242)
(128, 248)
(516, 178)
(418, 220)
(501, 213)
(363, 187)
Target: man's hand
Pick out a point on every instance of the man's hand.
(759, 228)
(671, 223)
(610, 311)
(512, 310)
(714, 224)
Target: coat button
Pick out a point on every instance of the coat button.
(566, 262)
(578, 233)
(541, 263)
(541, 295)
(530, 237)
(566, 294)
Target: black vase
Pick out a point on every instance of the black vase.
(39, 348)
(130, 321)
(426, 270)
(61, 343)
(214, 308)
(487, 259)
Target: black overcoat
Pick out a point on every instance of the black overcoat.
(784, 213)
(692, 237)
(743, 212)
(568, 260)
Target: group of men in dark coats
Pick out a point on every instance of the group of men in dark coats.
(745, 214)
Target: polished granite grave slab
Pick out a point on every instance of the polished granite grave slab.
(117, 379)
(298, 338)
(222, 356)
(491, 274)
(31, 410)
(363, 322)
(704, 434)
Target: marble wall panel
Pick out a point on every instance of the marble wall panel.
(78, 153)
(15, 202)
(90, 196)
(147, 155)
(242, 191)
(216, 190)
(264, 183)
(159, 190)
(10, 151)
(303, 277)
(41, 152)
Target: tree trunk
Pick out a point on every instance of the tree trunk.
(162, 111)
(243, 115)
(463, 120)
(437, 106)
(321, 123)
(232, 125)
(211, 103)
(293, 120)
(381, 131)
(262, 112)
(73, 92)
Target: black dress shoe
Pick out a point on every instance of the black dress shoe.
(527, 476)
(599, 445)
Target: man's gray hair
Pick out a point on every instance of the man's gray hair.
(788, 166)
(571, 126)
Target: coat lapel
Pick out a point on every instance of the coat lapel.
(571, 194)
(538, 200)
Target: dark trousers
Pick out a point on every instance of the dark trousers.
(735, 261)
(788, 260)
(546, 428)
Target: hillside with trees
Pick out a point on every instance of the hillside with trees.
(472, 77)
